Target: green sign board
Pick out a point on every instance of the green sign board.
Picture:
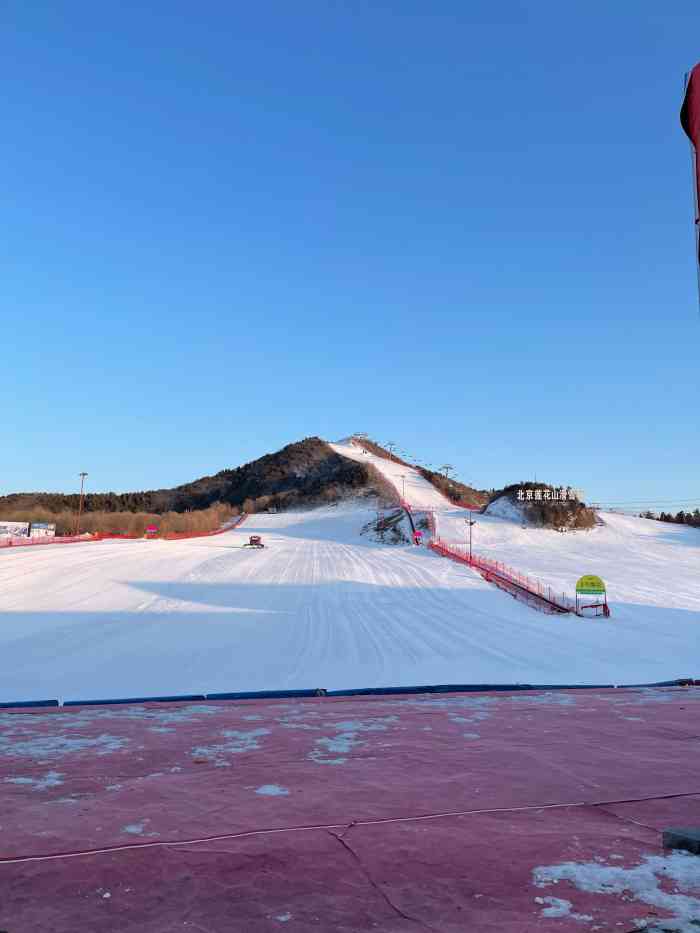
(590, 585)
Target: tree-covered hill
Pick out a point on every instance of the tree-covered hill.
(304, 473)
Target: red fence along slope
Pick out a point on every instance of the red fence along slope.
(74, 539)
(527, 589)
(32, 542)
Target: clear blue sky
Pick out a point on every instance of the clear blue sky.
(465, 227)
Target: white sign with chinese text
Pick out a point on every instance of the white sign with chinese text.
(562, 494)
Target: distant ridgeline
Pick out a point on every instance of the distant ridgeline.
(308, 472)
(547, 506)
(680, 518)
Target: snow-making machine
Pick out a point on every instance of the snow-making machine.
(254, 541)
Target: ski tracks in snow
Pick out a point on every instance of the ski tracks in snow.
(322, 606)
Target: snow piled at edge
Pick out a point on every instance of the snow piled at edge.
(503, 507)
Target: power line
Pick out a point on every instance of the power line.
(633, 502)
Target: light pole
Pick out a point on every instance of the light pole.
(80, 503)
(471, 525)
(403, 483)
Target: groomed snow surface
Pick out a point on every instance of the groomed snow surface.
(324, 606)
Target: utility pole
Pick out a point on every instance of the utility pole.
(80, 504)
(390, 446)
(446, 467)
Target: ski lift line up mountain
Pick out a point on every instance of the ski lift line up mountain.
(406, 480)
(633, 504)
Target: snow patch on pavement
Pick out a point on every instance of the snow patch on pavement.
(560, 907)
(272, 790)
(641, 883)
(138, 829)
(50, 779)
(42, 747)
(334, 750)
(237, 743)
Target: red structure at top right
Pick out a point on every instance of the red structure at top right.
(690, 121)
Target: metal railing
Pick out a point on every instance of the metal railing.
(528, 589)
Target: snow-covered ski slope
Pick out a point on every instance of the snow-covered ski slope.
(323, 606)
(646, 565)
(420, 494)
